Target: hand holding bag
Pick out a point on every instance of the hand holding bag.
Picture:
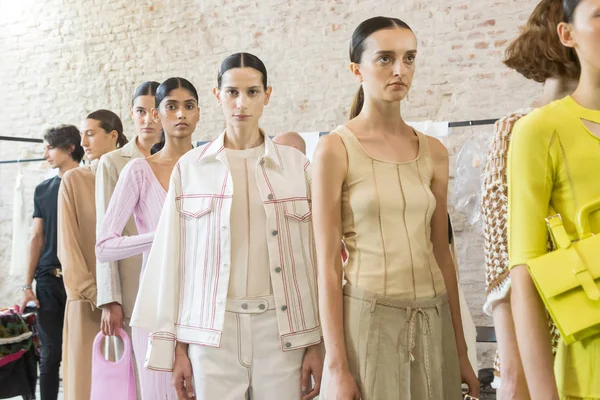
(113, 380)
(568, 279)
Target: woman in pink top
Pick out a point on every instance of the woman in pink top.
(141, 191)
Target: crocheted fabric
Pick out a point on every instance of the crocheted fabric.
(495, 212)
(495, 220)
(15, 336)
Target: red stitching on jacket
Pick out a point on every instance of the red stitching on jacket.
(218, 266)
(206, 252)
(283, 270)
(206, 146)
(285, 200)
(281, 259)
(183, 247)
(199, 328)
(294, 275)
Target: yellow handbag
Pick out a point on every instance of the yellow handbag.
(568, 278)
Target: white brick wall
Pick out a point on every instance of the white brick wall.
(60, 59)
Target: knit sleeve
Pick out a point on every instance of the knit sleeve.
(494, 212)
(112, 245)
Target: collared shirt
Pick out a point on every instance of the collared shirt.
(118, 280)
(77, 232)
(184, 288)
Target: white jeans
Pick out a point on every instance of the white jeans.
(249, 360)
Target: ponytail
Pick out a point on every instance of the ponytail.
(121, 140)
(357, 103)
(109, 121)
(159, 146)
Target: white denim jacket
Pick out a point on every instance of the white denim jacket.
(183, 290)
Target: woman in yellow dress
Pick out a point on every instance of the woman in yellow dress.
(554, 161)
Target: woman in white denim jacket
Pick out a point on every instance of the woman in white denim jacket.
(230, 292)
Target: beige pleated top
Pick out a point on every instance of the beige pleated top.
(250, 265)
(386, 223)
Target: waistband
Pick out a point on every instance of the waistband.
(374, 298)
(43, 272)
(414, 309)
(254, 305)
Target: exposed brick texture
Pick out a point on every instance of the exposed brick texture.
(60, 59)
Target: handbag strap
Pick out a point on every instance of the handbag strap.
(127, 351)
(561, 241)
(558, 233)
(583, 218)
(585, 278)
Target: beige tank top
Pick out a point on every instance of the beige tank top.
(249, 276)
(386, 223)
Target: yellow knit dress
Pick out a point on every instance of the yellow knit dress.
(554, 161)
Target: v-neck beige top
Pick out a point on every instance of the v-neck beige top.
(250, 275)
(386, 223)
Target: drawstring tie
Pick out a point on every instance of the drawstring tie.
(412, 314)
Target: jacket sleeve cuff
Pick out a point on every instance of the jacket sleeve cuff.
(161, 351)
(108, 284)
(91, 294)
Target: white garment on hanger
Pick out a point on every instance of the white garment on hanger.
(311, 139)
(438, 129)
(20, 232)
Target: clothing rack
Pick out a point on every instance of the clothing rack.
(457, 124)
(21, 139)
(22, 161)
(472, 123)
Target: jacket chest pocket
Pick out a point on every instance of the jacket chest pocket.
(297, 228)
(298, 210)
(197, 236)
(192, 208)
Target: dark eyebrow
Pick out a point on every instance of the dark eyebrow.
(384, 53)
(235, 88)
(391, 53)
(139, 108)
(191, 101)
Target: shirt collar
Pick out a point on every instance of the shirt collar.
(94, 166)
(131, 149)
(214, 148)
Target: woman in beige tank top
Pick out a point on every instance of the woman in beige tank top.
(394, 331)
